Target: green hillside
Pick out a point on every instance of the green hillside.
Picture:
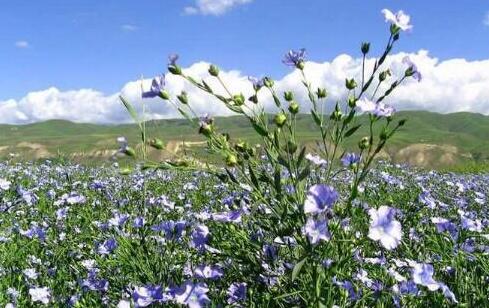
(428, 139)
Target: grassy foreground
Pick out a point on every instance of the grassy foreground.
(85, 237)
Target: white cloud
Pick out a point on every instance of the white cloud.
(213, 7)
(22, 44)
(447, 86)
(129, 27)
(486, 19)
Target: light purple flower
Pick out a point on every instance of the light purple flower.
(443, 225)
(200, 236)
(316, 230)
(42, 295)
(399, 19)
(384, 228)
(412, 69)
(379, 109)
(426, 198)
(295, 58)
(208, 272)
(172, 59)
(423, 275)
(4, 184)
(316, 159)
(93, 283)
(257, 82)
(350, 159)
(157, 85)
(107, 247)
(192, 295)
(448, 293)
(237, 292)
(147, 295)
(232, 216)
(383, 110)
(319, 198)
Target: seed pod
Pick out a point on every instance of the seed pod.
(156, 143)
(280, 119)
(213, 70)
(364, 143)
(294, 108)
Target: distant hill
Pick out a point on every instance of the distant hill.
(428, 139)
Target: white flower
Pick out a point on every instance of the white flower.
(399, 19)
(384, 228)
(40, 295)
(4, 184)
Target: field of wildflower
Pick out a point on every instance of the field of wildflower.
(277, 224)
(75, 236)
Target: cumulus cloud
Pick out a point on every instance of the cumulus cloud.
(447, 86)
(22, 44)
(213, 7)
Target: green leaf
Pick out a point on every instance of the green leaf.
(300, 159)
(316, 117)
(231, 176)
(259, 129)
(254, 180)
(132, 112)
(207, 87)
(276, 181)
(297, 268)
(305, 173)
(352, 130)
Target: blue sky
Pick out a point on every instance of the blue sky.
(103, 44)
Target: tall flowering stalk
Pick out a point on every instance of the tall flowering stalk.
(297, 189)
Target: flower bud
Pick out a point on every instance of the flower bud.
(268, 82)
(238, 99)
(402, 122)
(289, 96)
(156, 143)
(231, 160)
(350, 84)
(321, 93)
(365, 48)
(175, 69)
(383, 75)
(394, 30)
(253, 99)
(280, 119)
(183, 98)
(352, 102)
(213, 70)
(364, 143)
(129, 152)
(164, 95)
(336, 115)
(294, 108)
(206, 129)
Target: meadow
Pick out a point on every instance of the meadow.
(85, 237)
(274, 207)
